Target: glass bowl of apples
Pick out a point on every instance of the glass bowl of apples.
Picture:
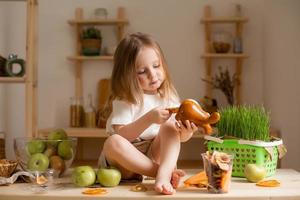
(55, 152)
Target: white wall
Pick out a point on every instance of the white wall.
(176, 25)
(282, 70)
(12, 40)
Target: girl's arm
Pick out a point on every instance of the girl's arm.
(134, 129)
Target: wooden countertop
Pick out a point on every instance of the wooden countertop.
(240, 189)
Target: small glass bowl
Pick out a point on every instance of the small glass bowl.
(41, 181)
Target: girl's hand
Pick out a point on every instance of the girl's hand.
(185, 130)
(159, 115)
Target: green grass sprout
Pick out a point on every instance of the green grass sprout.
(244, 122)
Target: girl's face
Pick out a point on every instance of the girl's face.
(149, 70)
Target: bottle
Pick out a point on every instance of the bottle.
(76, 112)
(90, 114)
(237, 45)
(238, 10)
(72, 112)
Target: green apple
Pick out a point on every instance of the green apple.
(58, 164)
(38, 162)
(65, 150)
(35, 146)
(57, 134)
(83, 176)
(109, 177)
(255, 172)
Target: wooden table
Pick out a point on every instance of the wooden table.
(240, 189)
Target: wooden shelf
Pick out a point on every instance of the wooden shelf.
(79, 132)
(99, 22)
(86, 58)
(12, 79)
(223, 55)
(181, 164)
(92, 132)
(224, 20)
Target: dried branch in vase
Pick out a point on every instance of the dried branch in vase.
(225, 83)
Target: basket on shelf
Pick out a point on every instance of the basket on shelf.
(91, 41)
(247, 152)
(7, 167)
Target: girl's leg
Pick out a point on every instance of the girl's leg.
(120, 153)
(166, 148)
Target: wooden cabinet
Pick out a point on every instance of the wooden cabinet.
(30, 77)
(209, 56)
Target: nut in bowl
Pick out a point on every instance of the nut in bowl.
(35, 154)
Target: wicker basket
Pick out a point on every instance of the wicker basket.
(7, 167)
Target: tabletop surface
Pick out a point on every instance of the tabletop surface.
(240, 189)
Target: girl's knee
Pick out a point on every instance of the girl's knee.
(168, 129)
(114, 143)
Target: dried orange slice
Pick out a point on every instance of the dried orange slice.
(94, 191)
(268, 183)
(198, 180)
(41, 180)
(139, 188)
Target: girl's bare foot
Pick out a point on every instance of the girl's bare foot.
(165, 185)
(176, 176)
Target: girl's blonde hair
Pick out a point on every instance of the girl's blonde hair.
(124, 82)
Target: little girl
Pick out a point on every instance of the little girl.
(144, 136)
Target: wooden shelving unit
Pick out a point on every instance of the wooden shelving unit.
(30, 77)
(79, 132)
(12, 79)
(79, 22)
(208, 20)
(92, 132)
(78, 59)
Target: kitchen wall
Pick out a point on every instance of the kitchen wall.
(269, 39)
(281, 73)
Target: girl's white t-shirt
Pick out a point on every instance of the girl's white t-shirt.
(124, 113)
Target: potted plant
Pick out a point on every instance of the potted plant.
(244, 131)
(91, 41)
